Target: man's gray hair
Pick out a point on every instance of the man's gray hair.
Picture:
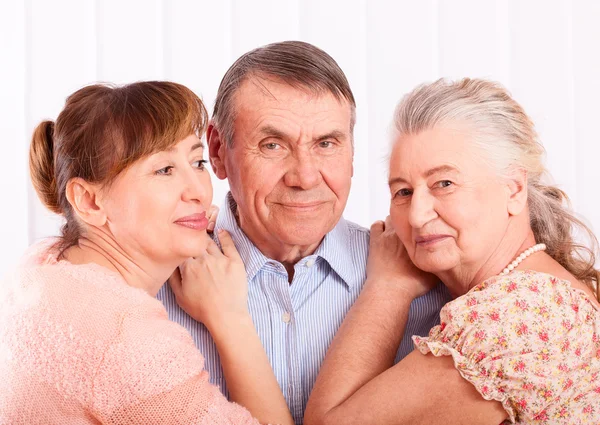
(296, 63)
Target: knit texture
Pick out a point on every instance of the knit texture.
(80, 346)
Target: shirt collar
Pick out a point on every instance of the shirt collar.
(335, 248)
(253, 259)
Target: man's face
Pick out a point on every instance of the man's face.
(290, 165)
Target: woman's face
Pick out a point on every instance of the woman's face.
(448, 207)
(157, 207)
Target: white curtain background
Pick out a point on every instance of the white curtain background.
(546, 52)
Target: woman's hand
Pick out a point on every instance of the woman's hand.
(389, 263)
(212, 213)
(213, 288)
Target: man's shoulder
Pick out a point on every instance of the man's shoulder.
(357, 231)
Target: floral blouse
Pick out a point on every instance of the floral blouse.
(528, 340)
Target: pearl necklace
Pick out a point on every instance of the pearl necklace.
(521, 257)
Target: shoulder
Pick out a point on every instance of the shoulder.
(357, 231)
(73, 305)
(148, 355)
(358, 236)
(52, 312)
(526, 339)
(356, 244)
(528, 286)
(517, 314)
(524, 293)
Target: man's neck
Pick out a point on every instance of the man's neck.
(286, 254)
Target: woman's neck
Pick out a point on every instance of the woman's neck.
(468, 275)
(137, 269)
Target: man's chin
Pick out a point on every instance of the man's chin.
(302, 233)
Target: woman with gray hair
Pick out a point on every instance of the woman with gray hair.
(470, 206)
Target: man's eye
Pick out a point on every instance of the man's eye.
(325, 144)
(272, 146)
(199, 164)
(404, 192)
(444, 183)
(166, 171)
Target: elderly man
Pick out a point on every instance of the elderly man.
(282, 134)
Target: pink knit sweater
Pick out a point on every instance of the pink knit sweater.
(80, 346)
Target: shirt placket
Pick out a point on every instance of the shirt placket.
(297, 293)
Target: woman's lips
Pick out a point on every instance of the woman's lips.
(194, 221)
(430, 239)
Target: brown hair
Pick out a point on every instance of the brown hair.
(507, 136)
(296, 63)
(101, 131)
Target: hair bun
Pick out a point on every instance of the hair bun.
(41, 165)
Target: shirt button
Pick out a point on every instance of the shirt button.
(310, 263)
(286, 317)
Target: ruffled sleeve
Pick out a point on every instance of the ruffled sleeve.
(527, 340)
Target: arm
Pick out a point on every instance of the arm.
(358, 382)
(214, 290)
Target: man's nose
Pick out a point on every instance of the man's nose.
(304, 172)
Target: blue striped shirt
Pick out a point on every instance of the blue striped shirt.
(296, 322)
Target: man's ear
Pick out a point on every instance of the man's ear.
(517, 191)
(83, 198)
(216, 151)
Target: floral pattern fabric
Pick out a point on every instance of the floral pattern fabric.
(528, 340)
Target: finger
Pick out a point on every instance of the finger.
(389, 227)
(377, 228)
(227, 244)
(212, 248)
(176, 283)
(213, 213)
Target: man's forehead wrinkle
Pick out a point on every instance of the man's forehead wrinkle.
(259, 83)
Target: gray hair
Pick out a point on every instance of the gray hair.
(507, 137)
(296, 63)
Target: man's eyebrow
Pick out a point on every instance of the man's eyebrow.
(428, 173)
(335, 134)
(270, 131)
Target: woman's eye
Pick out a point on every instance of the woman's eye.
(166, 171)
(199, 164)
(404, 192)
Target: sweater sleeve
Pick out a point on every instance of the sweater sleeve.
(153, 374)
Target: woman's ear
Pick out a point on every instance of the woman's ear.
(517, 191)
(84, 197)
(216, 151)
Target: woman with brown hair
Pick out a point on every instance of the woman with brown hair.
(82, 338)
